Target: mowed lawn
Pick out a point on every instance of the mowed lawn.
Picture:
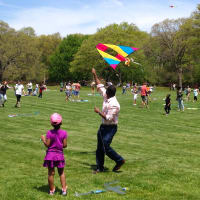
(162, 152)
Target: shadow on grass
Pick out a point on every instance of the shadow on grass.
(88, 152)
(83, 152)
(45, 189)
(94, 167)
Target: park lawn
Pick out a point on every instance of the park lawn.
(161, 152)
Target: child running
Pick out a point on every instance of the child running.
(135, 94)
(55, 141)
(68, 91)
(167, 104)
(196, 92)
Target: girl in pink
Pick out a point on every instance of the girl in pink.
(55, 141)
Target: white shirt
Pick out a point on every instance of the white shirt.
(68, 88)
(110, 107)
(18, 89)
(30, 85)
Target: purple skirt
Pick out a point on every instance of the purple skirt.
(52, 163)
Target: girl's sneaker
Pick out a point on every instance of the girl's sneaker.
(52, 192)
(64, 192)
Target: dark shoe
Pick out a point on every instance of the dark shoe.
(98, 171)
(118, 165)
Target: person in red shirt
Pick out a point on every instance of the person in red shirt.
(77, 89)
(41, 88)
(144, 94)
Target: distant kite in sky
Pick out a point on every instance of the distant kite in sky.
(113, 61)
(171, 6)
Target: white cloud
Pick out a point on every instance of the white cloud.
(48, 20)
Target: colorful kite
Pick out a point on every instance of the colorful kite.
(123, 52)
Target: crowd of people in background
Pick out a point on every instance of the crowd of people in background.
(72, 92)
(19, 91)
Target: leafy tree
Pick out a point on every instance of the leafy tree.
(28, 31)
(60, 60)
(192, 29)
(47, 46)
(19, 57)
(169, 46)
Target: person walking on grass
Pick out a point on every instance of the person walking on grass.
(188, 92)
(167, 104)
(179, 98)
(195, 92)
(30, 88)
(41, 88)
(135, 94)
(3, 96)
(144, 95)
(55, 141)
(19, 89)
(68, 90)
(108, 128)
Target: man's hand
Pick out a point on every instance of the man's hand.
(97, 81)
(96, 110)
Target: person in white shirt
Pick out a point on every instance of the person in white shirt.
(19, 89)
(68, 90)
(135, 94)
(108, 128)
(30, 88)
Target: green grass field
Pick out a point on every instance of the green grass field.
(162, 152)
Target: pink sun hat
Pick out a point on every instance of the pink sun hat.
(56, 119)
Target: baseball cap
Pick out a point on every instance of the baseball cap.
(56, 119)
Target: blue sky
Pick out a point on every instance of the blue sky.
(85, 16)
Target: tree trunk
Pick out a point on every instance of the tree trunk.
(180, 76)
(1, 72)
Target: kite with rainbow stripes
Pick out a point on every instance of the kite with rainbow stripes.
(123, 52)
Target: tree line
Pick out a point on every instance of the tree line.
(168, 54)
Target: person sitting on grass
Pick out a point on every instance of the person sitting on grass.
(108, 128)
(34, 93)
(55, 141)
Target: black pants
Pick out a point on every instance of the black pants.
(104, 138)
(40, 95)
(167, 109)
(18, 97)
